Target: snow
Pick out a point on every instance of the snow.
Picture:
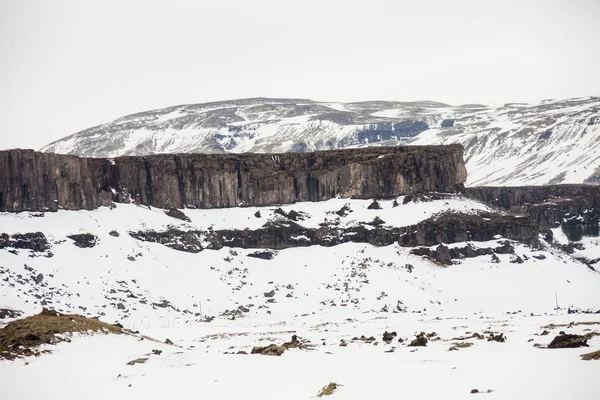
(335, 293)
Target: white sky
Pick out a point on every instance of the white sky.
(67, 65)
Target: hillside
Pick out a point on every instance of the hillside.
(323, 281)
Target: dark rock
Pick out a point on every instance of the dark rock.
(114, 233)
(568, 341)
(345, 210)
(421, 340)
(506, 248)
(9, 313)
(447, 123)
(442, 255)
(35, 241)
(388, 336)
(39, 278)
(175, 213)
(243, 309)
(462, 227)
(84, 240)
(546, 135)
(516, 260)
(377, 221)
(257, 214)
(156, 352)
(497, 338)
(265, 255)
(269, 294)
(36, 181)
(271, 350)
(573, 207)
(374, 205)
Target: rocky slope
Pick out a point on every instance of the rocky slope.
(43, 181)
(555, 141)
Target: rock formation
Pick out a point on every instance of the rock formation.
(37, 181)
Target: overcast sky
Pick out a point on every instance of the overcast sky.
(67, 65)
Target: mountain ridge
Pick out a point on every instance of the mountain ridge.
(553, 141)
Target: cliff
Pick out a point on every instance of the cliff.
(38, 181)
(548, 205)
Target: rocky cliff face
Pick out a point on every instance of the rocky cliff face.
(548, 205)
(37, 181)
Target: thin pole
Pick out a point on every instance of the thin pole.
(556, 296)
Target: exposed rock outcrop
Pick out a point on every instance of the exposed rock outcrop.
(447, 228)
(32, 180)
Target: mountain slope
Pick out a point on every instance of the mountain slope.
(549, 142)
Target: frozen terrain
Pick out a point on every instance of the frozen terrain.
(213, 304)
(555, 141)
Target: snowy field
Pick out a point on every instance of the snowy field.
(324, 295)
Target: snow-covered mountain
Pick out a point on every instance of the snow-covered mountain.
(555, 141)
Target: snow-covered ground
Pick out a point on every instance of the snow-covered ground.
(322, 294)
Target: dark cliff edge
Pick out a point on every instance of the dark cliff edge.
(575, 208)
(35, 181)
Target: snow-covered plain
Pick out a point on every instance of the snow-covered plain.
(322, 294)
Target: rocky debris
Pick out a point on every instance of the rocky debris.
(39, 278)
(178, 214)
(188, 241)
(224, 180)
(84, 240)
(345, 210)
(591, 356)
(477, 391)
(516, 260)
(448, 228)
(292, 215)
(114, 233)
(169, 342)
(377, 221)
(500, 338)
(421, 340)
(269, 294)
(275, 350)
(468, 251)
(9, 313)
(374, 205)
(442, 255)
(364, 339)
(505, 248)
(156, 352)
(329, 389)
(140, 360)
(264, 255)
(460, 345)
(35, 241)
(388, 336)
(257, 214)
(568, 341)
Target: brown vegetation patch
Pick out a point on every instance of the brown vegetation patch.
(22, 337)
